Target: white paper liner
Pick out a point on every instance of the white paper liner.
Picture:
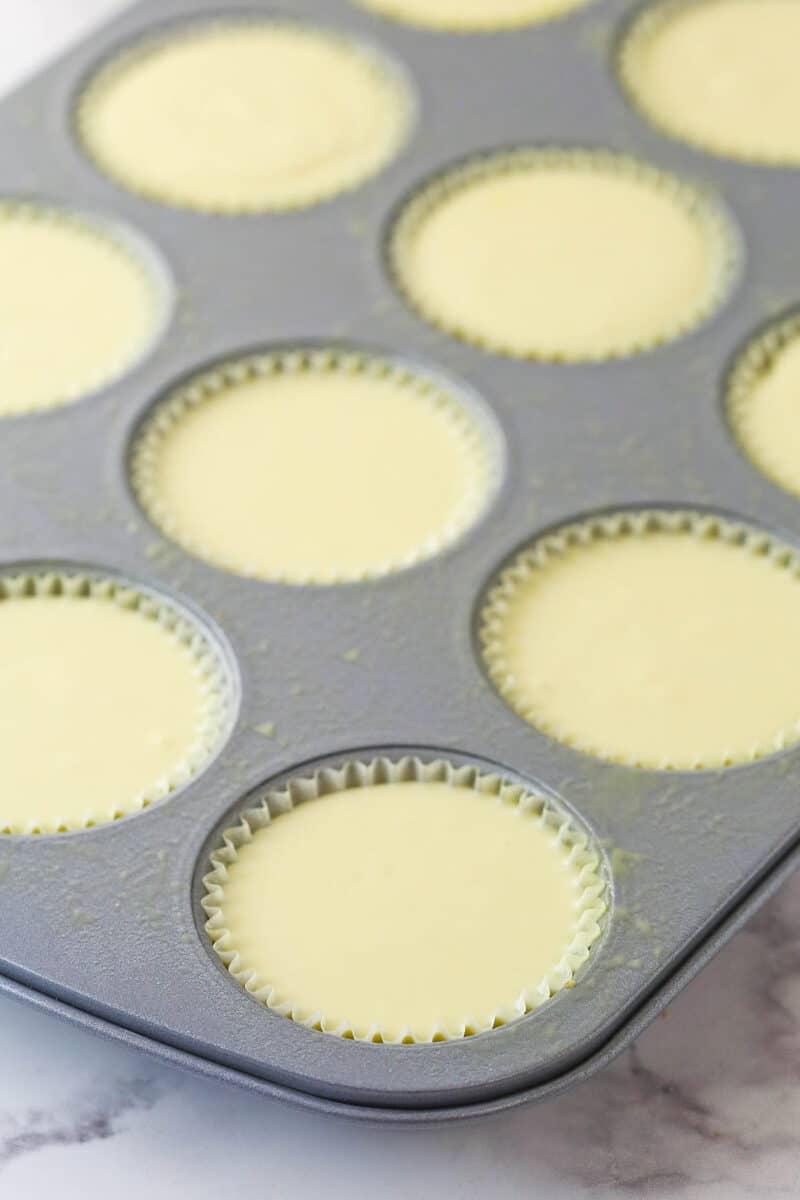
(84, 226)
(756, 361)
(475, 433)
(626, 524)
(295, 195)
(643, 30)
(217, 690)
(701, 206)
(591, 906)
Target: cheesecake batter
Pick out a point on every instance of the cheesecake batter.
(551, 255)
(76, 308)
(369, 911)
(659, 649)
(102, 710)
(471, 15)
(764, 409)
(326, 473)
(721, 74)
(244, 116)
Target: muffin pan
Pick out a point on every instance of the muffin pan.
(105, 925)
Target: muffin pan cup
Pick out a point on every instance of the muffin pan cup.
(473, 427)
(212, 669)
(564, 837)
(105, 925)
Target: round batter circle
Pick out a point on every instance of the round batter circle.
(79, 305)
(762, 403)
(720, 74)
(562, 255)
(660, 639)
(110, 699)
(351, 901)
(244, 115)
(471, 16)
(316, 466)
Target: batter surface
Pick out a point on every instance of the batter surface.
(764, 411)
(721, 74)
(368, 910)
(101, 711)
(562, 256)
(471, 15)
(76, 308)
(657, 649)
(315, 474)
(244, 116)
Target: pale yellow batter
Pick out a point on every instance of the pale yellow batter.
(721, 74)
(319, 469)
(405, 911)
(76, 308)
(471, 15)
(666, 648)
(764, 405)
(553, 255)
(102, 710)
(244, 116)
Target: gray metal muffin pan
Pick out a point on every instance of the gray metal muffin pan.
(104, 925)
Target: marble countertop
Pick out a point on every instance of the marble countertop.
(707, 1104)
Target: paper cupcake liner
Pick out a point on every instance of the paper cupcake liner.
(700, 205)
(626, 524)
(473, 429)
(643, 29)
(756, 361)
(122, 244)
(295, 195)
(489, 22)
(217, 716)
(593, 902)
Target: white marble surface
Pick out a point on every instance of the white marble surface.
(706, 1105)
